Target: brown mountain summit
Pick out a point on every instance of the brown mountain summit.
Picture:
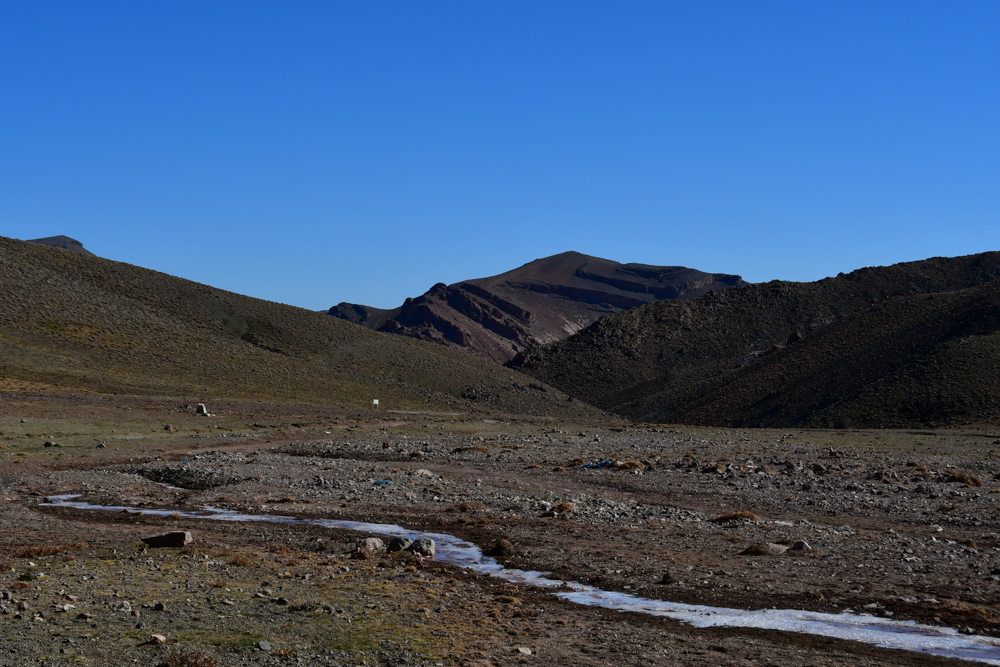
(541, 302)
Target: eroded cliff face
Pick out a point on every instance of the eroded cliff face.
(541, 302)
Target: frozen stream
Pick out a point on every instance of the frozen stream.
(907, 635)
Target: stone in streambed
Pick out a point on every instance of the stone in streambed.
(399, 544)
(424, 546)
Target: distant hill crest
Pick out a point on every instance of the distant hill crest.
(64, 242)
(540, 302)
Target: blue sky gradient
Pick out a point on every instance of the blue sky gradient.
(311, 153)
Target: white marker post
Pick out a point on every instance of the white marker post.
(375, 403)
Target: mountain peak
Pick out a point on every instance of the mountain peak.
(63, 242)
(539, 302)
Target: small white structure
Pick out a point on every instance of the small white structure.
(375, 403)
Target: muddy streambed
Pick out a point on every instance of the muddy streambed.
(905, 635)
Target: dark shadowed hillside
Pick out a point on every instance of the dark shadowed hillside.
(908, 344)
(74, 321)
(540, 302)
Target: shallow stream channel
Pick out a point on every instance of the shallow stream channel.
(896, 634)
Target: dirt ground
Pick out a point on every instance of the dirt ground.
(896, 524)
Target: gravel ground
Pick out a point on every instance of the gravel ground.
(897, 524)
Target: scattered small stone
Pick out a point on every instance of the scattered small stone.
(800, 545)
(159, 606)
(281, 601)
(157, 639)
(264, 645)
(524, 650)
(738, 515)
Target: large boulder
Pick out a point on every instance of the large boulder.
(399, 544)
(423, 546)
(371, 544)
(175, 538)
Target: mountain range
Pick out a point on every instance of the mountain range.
(913, 344)
(540, 302)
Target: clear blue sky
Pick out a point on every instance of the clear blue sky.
(317, 152)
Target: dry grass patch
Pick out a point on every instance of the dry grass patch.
(480, 450)
(189, 659)
(468, 506)
(240, 560)
(963, 478)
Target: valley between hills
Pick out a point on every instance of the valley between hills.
(826, 447)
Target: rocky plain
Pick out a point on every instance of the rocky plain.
(895, 524)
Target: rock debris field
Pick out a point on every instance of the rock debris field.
(899, 525)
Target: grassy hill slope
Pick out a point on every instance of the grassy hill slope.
(73, 321)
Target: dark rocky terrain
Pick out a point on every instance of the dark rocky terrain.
(913, 344)
(74, 322)
(63, 242)
(540, 302)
